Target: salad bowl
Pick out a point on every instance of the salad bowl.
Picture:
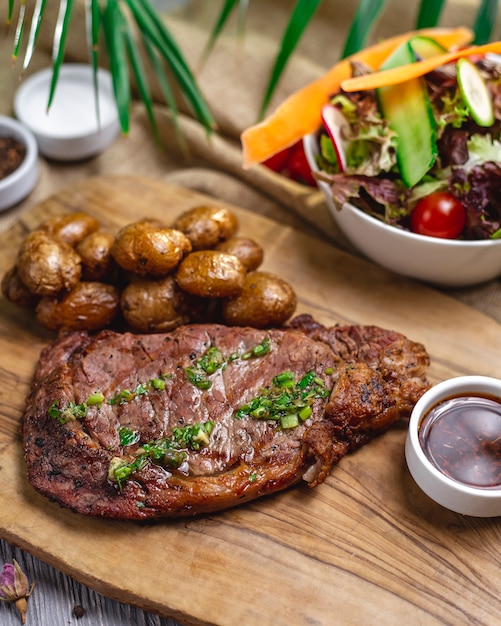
(442, 262)
(409, 160)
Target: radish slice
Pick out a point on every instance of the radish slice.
(475, 93)
(338, 128)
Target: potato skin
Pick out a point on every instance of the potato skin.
(158, 305)
(206, 226)
(15, 291)
(47, 265)
(95, 252)
(265, 301)
(211, 274)
(248, 251)
(146, 249)
(88, 306)
(71, 228)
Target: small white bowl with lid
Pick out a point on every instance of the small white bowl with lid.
(15, 186)
(453, 445)
(71, 129)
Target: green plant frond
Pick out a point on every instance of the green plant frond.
(157, 33)
(18, 37)
(485, 20)
(301, 15)
(429, 13)
(62, 28)
(36, 22)
(93, 24)
(140, 76)
(365, 18)
(222, 18)
(166, 90)
(10, 12)
(114, 24)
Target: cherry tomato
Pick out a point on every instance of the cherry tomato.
(278, 161)
(298, 167)
(438, 215)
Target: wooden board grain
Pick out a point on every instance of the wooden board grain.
(365, 547)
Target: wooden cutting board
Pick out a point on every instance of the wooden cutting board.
(366, 547)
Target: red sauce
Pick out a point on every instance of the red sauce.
(462, 438)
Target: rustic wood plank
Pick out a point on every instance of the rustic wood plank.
(365, 547)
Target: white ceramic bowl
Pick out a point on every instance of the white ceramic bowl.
(71, 129)
(17, 185)
(449, 492)
(444, 262)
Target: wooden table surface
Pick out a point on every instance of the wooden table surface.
(365, 547)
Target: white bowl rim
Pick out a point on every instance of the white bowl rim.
(441, 391)
(311, 148)
(31, 156)
(40, 78)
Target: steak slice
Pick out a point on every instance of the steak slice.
(207, 416)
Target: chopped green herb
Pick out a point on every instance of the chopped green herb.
(260, 350)
(127, 436)
(285, 400)
(95, 398)
(212, 360)
(69, 413)
(193, 436)
(170, 452)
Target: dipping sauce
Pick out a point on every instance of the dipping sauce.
(461, 436)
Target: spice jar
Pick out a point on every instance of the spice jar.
(453, 446)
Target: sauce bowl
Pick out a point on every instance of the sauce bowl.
(453, 445)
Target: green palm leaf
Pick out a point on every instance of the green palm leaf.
(93, 23)
(367, 13)
(10, 11)
(222, 18)
(114, 25)
(62, 28)
(154, 30)
(301, 15)
(429, 13)
(485, 20)
(166, 90)
(36, 22)
(19, 30)
(140, 74)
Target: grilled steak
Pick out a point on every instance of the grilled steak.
(207, 416)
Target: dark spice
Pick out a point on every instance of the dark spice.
(12, 153)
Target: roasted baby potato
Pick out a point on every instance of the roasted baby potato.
(158, 305)
(88, 306)
(95, 252)
(248, 251)
(47, 265)
(265, 301)
(146, 249)
(16, 291)
(71, 228)
(206, 226)
(211, 274)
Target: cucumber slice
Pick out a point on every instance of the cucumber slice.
(426, 47)
(407, 109)
(475, 92)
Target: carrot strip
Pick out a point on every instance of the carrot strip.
(414, 70)
(300, 113)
